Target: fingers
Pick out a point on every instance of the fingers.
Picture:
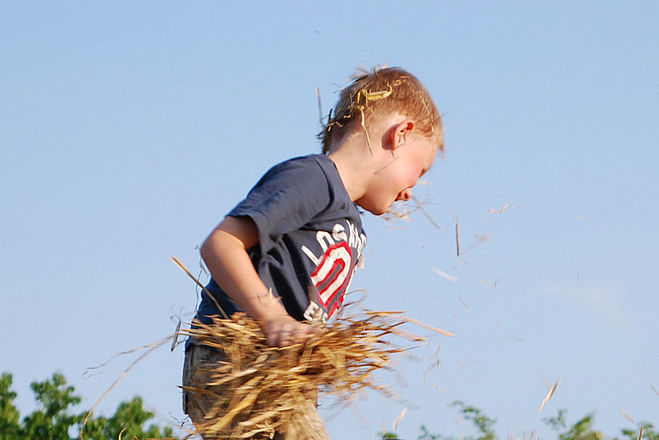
(287, 331)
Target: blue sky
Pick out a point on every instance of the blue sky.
(128, 130)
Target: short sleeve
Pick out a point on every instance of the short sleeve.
(285, 199)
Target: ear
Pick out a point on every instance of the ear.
(398, 133)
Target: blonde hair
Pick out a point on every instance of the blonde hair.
(380, 93)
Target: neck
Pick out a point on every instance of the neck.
(356, 160)
(353, 162)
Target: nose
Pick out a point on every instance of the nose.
(404, 195)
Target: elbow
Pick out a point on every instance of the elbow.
(215, 246)
(206, 249)
(230, 236)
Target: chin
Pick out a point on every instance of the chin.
(375, 210)
(382, 209)
(374, 207)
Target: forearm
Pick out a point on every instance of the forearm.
(226, 257)
(225, 254)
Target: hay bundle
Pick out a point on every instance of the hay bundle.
(263, 388)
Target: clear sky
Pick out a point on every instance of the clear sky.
(128, 129)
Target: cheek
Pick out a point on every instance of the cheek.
(411, 177)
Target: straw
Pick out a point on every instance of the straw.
(259, 390)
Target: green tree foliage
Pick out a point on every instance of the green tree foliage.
(426, 435)
(53, 419)
(483, 423)
(649, 432)
(582, 429)
(9, 415)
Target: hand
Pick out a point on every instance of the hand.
(284, 330)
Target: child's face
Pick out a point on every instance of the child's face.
(395, 180)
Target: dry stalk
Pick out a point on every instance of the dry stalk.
(420, 207)
(264, 387)
(457, 237)
(549, 395)
(655, 390)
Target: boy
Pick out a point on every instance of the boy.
(286, 254)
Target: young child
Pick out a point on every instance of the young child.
(286, 254)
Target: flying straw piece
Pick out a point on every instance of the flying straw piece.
(497, 211)
(457, 237)
(87, 373)
(640, 434)
(492, 284)
(175, 337)
(548, 396)
(399, 418)
(479, 239)
(443, 274)
(627, 416)
(419, 206)
(153, 346)
(320, 107)
(400, 212)
(464, 303)
(402, 319)
(187, 272)
(655, 390)
(426, 326)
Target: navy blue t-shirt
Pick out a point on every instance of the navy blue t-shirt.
(310, 239)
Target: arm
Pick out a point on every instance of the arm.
(225, 254)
